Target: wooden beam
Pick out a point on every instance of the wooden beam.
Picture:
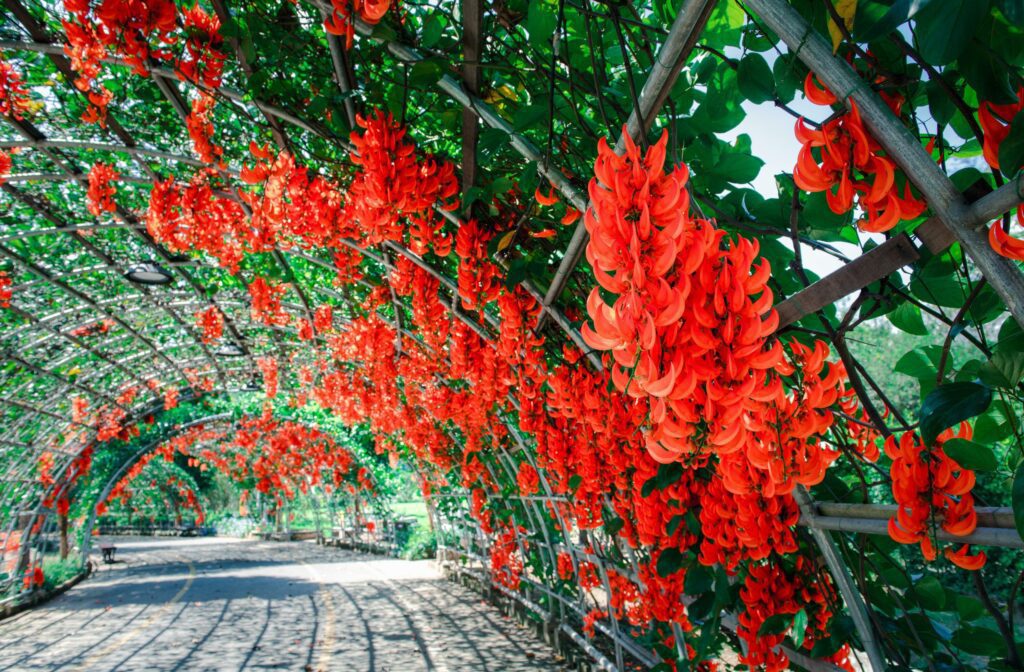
(887, 258)
(472, 80)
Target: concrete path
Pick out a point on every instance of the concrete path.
(223, 604)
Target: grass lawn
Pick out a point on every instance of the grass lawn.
(417, 510)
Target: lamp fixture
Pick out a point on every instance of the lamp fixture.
(149, 273)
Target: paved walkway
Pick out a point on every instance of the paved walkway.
(223, 604)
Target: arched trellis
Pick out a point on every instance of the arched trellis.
(673, 53)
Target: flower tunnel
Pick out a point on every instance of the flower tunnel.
(679, 414)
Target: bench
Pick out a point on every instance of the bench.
(108, 551)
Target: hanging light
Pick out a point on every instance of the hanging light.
(229, 349)
(149, 273)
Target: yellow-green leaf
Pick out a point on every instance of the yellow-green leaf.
(506, 240)
(846, 9)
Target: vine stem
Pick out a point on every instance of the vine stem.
(1012, 656)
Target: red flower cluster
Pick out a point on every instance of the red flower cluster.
(345, 13)
(527, 479)
(994, 120)
(203, 60)
(479, 277)
(5, 165)
(393, 183)
(211, 322)
(268, 367)
(5, 290)
(266, 302)
(852, 162)
(139, 32)
(34, 578)
(1005, 244)
(100, 197)
(14, 100)
(931, 489)
(769, 590)
(200, 128)
(506, 561)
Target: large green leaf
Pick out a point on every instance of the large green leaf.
(755, 79)
(930, 593)
(875, 19)
(541, 21)
(950, 404)
(669, 562)
(944, 29)
(979, 641)
(907, 317)
(971, 455)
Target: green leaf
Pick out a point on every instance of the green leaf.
(432, 30)
(776, 624)
(986, 74)
(674, 523)
(875, 20)
(969, 608)
(755, 79)
(950, 404)
(1011, 150)
(1005, 369)
(917, 364)
(907, 317)
(575, 482)
(978, 641)
(425, 73)
(939, 102)
(613, 526)
(944, 29)
(699, 579)
(541, 21)
(799, 628)
(971, 455)
(1013, 10)
(930, 593)
(669, 562)
(736, 168)
(1017, 499)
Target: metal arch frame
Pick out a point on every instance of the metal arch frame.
(550, 292)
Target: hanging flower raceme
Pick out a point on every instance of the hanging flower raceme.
(479, 277)
(14, 99)
(852, 165)
(323, 319)
(685, 333)
(100, 197)
(528, 479)
(268, 367)
(171, 396)
(211, 323)
(5, 290)
(931, 490)
(770, 591)
(393, 183)
(6, 164)
(266, 302)
(203, 60)
(200, 128)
